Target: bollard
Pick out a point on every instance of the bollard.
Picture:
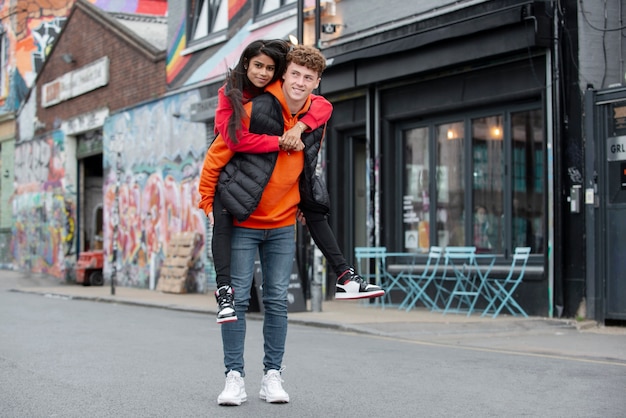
(316, 281)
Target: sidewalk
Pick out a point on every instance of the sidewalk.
(547, 335)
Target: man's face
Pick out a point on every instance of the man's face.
(299, 82)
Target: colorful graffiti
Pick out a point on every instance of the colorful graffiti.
(44, 211)
(215, 65)
(158, 171)
(146, 7)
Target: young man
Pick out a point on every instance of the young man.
(262, 192)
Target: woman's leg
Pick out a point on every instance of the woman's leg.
(349, 284)
(222, 229)
(322, 234)
(220, 244)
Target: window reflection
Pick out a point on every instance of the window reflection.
(450, 183)
(527, 194)
(487, 187)
(416, 201)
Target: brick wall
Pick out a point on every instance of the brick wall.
(136, 74)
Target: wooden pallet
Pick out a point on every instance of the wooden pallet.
(182, 251)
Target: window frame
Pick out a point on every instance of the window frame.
(194, 10)
(398, 170)
(283, 5)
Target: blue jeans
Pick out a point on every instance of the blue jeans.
(276, 248)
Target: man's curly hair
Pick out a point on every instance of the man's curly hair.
(308, 57)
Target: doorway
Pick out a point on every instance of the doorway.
(604, 197)
(90, 203)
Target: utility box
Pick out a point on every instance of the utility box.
(89, 268)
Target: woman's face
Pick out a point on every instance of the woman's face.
(260, 71)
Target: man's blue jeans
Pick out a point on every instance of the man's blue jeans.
(276, 249)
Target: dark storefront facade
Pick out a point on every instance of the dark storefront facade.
(454, 123)
(445, 137)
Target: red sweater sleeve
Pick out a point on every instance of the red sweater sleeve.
(247, 141)
(318, 113)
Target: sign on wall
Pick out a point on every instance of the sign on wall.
(76, 83)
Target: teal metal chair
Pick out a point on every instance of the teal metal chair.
(417, 284)
(470, 279)
(370, 263)
(501, 290)
(446, 282)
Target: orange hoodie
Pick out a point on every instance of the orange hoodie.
(281, 196)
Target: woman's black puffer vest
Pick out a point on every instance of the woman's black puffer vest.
(243, 179)
(313, 191)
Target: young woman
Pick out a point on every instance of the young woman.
(261, 63)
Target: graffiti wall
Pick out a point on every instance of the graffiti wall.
(152, 162)
(43, 207)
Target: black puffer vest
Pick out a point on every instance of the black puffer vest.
(243, 179)
(313, 192)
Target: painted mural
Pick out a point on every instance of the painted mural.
(43, 208)
(214, 65)
(31, 31)
(152, 162)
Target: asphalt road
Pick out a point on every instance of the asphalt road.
(71, 358)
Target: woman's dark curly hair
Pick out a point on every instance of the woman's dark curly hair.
(237, 80)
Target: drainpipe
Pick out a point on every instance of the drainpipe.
(554, 196)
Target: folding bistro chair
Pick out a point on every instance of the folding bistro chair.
(501, 290)
(416, 284)
(446, 281)
(467, 286)
(370, 265)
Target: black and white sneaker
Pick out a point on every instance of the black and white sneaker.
(225, 297)
(352, 286)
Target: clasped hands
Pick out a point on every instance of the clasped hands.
(291, 140)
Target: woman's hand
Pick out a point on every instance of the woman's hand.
(292, 139)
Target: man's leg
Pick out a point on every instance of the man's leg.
(244, 249)
(277, 256)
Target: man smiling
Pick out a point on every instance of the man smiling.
(262, 192)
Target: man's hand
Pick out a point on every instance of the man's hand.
(291, 140)
(211, 219)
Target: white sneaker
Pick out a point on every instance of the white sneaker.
(352, 286)
(272, 388)
(234, 392)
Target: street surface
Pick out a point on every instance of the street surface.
(62, 357)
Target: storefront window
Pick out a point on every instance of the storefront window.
(450, 183)
(488, 193)
(488, 181)
(527, 193)
(416, 201)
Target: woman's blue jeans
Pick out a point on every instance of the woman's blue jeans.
(276, 249)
